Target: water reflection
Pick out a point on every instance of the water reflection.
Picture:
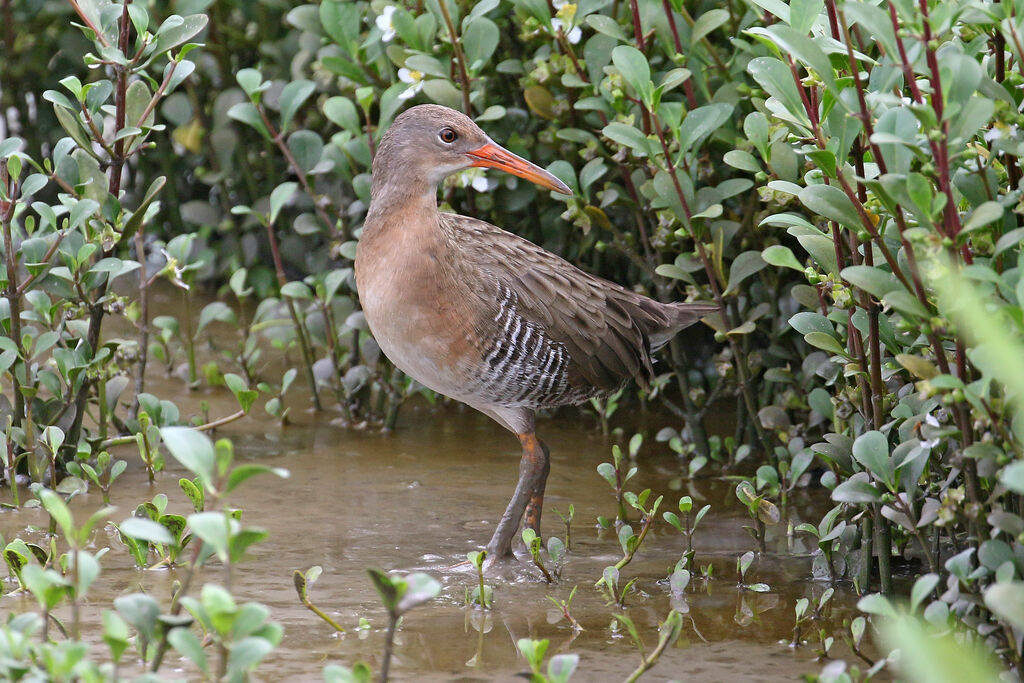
(420, 499)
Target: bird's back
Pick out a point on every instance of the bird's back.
(549, 333)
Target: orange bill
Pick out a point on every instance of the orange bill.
(495, 156)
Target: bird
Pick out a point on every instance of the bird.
(484, 316)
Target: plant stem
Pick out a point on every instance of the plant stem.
(467, 107)
(389, 641)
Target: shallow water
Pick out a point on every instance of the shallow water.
(419, 499)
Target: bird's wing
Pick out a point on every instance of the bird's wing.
(604, 328)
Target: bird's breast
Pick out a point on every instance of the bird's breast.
(419, 315)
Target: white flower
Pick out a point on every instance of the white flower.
(385, 25)
(574, 35)
(565, 12)
(473, 177)
(931, 421)
(414, 79)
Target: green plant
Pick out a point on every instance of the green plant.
(483, 594)
(612, 472)
(560, 667)
(686, 526)
(761, 510)
(564, 605)
(742, 565)
(567, 521)
(668, 633)
(303, 582)
(533, 545)
(629, 541)
(399, 595)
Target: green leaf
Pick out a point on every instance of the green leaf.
(187, 643)
(54, 504)
(987, 213)
(743, 266)
(307, 148)
(194, 451)
(279, 197)
(775, 77)
(706, 23)
(145, 530)
(825, 342)
(246, 112)
(1012, 477)
(702, 122)
(342, 112)
(1007, 601)
(244, 472)
(629, 136)
(743, 160)
(871, 450)
(633, 66)
(781, 257)
(608, 26)
(292, 97)
(856, 491)
(479, 42)
(874, 281)
(832, 203)
(907, 304)
(214, 529)
(175, 30)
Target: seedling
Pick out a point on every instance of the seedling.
(742, 565)
(335, 673)
(801, 618)
(533, 544)
(560, 667)
(275, 407)
(612, 472)
(761, 510)
(605, 408)
(564, 605)
(828, 534)
(685, 526)
(567, 521)
(305, 581)
(668, 633)
(140, 538)
(610, 582)
(629, 541)
(103, 475)
(148, 441)
(483, 594)
(399, 595)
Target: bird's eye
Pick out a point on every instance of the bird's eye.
(448, 135)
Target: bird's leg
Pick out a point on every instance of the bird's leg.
(533, 508)
(533, 470)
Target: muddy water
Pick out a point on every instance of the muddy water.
(419, 499)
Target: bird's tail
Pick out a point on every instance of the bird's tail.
(680, 315)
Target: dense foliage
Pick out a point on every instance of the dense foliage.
(841, 178)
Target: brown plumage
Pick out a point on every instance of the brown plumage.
(484, 316)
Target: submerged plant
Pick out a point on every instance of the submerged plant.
(303, 582)
(564, 606)
(686, 525)
(560, 667)
(761, 510)
(483, 594)
(668, 633)
(399, 594)
(533, 545)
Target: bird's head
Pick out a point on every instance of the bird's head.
(434, 141)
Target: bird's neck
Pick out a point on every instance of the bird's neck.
(401, 185)
(408, 195)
